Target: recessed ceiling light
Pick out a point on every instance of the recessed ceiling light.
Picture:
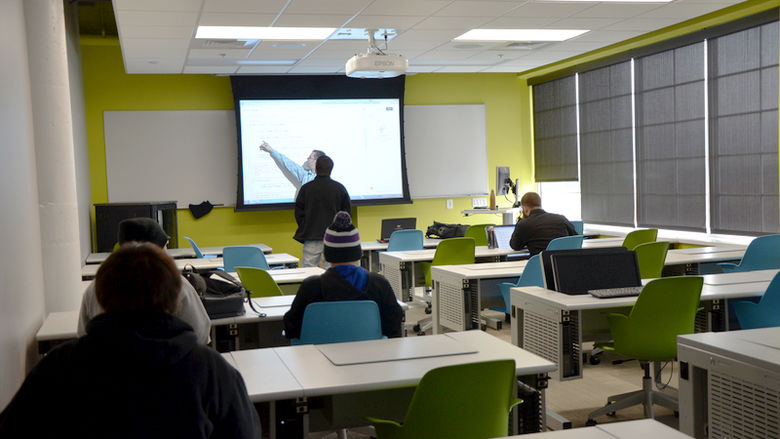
(519, 34)
(264, 33)
(266, 62)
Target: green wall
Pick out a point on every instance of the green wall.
(107, 87)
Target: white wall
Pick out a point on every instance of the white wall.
(21, 273)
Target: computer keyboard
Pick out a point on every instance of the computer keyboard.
(615, 292)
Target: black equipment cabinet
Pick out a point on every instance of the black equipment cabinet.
(109, 215)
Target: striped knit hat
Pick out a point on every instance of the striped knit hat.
(342, 241)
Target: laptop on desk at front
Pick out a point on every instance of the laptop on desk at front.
(390, 225)
(582, 270)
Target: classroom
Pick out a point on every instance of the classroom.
(58, 84)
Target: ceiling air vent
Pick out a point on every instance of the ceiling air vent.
(224, 44)
(521, 45)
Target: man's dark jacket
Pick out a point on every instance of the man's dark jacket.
(316, 205)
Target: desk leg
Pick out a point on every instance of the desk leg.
(288, 418)
(713, 318)
(530, 416)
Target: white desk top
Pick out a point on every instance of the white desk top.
(740, 277)
(481, 271)
(754, 346)
(703, 255)
(266, 376)
(602, 242)
(427, 254)
(395, 349)
(639, 429)
(58, 326)
(177, 253)
(90, 270)
(382, 246)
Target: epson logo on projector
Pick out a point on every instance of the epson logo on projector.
(383, 63)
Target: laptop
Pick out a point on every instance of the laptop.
(390, 225)
(503, 235)
(578, 271)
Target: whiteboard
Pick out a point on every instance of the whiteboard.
(191, 156)
(187, 156)
(446, 150)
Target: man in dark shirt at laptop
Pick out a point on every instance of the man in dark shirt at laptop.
(537, 228)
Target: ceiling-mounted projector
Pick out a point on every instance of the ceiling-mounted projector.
(375, 63)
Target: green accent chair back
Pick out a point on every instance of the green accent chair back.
(468, 401)
(637, 237)
(452, 251)
(258, 282)
(665, 308)
(651, 257)
(478, 233)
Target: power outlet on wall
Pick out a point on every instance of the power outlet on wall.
(449, 204)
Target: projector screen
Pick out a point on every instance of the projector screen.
(363, 136)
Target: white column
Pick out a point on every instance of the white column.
(53, 133)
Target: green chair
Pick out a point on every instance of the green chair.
(637, 237)
(651, 257)
(665, 308)
(451, 251)
(478, 233)
(469, 401)
(258, 282)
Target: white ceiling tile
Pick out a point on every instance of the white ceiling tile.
(155, 18)
(215, 70)
(244, 6)
(315, 69)
(405, 7)
(266, 50)
(556, 10)
(605, 36)
(385, 21)
(260, 70)
(154, 47)
(443, 57)
(422, 69)
(460, 69)
(462, 8)
(157, 5)
(350, 7)
(578, 46)
(461, 24)
(508, 22)
(508, 68)
(234, 19)
(583, 23)
(490, 57)
(311, 20)
(347, 46)
(641, 24)
(215, 54)
(618, 10)
(161, 64)
(681, 11)
(158, 32)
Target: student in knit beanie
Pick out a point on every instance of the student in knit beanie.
(342, 250)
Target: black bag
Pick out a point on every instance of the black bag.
(443, 231)
(220, 298)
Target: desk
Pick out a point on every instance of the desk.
(227, 333)
(371, 250)
(312, 393)
(639, 429)
(177, 253)
(399, 267)
(730, 383)
(460, 292)
(554, 325)
(274, 260)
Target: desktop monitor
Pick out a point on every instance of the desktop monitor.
(547, 263)
(390, 225)
(577, 272)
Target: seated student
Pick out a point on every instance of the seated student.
(139, 372)
(537, 228)
(190, 308)
(345, 280)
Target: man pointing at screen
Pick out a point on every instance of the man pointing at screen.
(297, 174)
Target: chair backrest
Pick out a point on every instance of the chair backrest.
(651, 257)
(454, 251)
(579, 226)
(479, 234)
(243, 256)
(258, 282)
(637, 237)
(405, 240)
(340, 321)
(198, 253)
(762, 253)
(471, 400)
(762, 314)
(566, 243)
(665, 308)
(532, 277)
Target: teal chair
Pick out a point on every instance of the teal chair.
(763, 253)
(637, 237)
(243, 256)
(579, 226)
(402, 240)
(532, 277)
(479, 234)
(651, 257)
(198, 254)
(464, 401)
(665, 308)
(340, 321)
(566, 243)
(763, 314)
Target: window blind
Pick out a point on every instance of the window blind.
(555, 130)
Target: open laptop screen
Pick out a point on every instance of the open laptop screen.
(390, 225)
(578, 271)
(547, 265)
(503, 235)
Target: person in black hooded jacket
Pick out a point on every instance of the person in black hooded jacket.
(345, 280)
(139, 372)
